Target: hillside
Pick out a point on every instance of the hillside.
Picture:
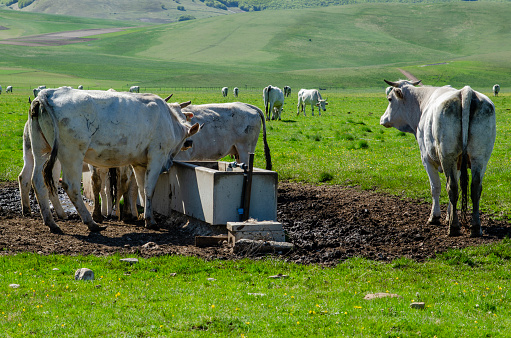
(349, 47)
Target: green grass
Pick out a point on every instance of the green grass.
(345, 146)
(466, 294)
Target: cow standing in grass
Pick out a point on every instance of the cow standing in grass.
(455, 130)
(496, 90)
(310, 97)
(273, 102)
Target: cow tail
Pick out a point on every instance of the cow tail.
(112, 175)
(267, 154)
(267, 99)
(37, 109)
(466, 98)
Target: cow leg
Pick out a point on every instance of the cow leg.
(71, 177)
(25, 180)
(451, 173)
(54, 197)
(147, 178)
(96, 183)
(436, 188)
(40, 149)
(476, 188)
(130, 199)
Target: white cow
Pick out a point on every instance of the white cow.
(235, 91)
(37, 90)
(273, 102)
(287, 91)
(455, 129)
(310, 97)
(105, 129)
(229, 129)
(496, 90)
(25, 177)
(80, 87)
(134, 89)
(8, 89)
(112, 184)
(224, 91)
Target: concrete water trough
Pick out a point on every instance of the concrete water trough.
(211, 192)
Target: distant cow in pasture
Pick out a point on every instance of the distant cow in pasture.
(455, 130)
(229, 129)
(105, 129)
(80, 87)
(36, 91)
(273, 102)
(134, 89)
(287, 91)
(496, 90)
(225, 90)
(8, 89)
(235, 91)
(310, 97)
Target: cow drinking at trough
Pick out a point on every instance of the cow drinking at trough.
(455, 130)
(310, 97)
(273, 102)
(105, 129)
(229, 129)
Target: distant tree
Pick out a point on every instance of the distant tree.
(186, 17)
(24, 3)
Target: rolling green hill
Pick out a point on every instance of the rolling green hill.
(351, 47)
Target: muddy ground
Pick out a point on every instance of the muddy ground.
(327, 224)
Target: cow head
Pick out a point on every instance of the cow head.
(397, 113)
(322, 104)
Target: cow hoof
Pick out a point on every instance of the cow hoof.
(476, 232)
(152, 227)
(453, 232)
(56, 230)
(435, 220)
(96, 228)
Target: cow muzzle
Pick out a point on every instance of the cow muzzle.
(187, 145)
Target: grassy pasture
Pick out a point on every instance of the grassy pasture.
(345, 146)
(466, 294)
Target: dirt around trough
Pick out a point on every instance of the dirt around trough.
(326, 223)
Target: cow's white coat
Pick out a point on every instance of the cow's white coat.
(310, 97)
(273, 98)
(447, 123)
(105, 129)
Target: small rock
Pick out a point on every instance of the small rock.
(211, 279)
(257, 294)
(84, 274)
(150, 245)
(14, 286)
(55, 269)
(129, 260)
(370, 296)
(173, 274)
(417, 305)
(279, 276)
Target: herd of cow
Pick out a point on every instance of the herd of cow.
(72, 130)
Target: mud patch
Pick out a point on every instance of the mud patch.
(327, 224)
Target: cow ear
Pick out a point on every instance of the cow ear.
(399, 93)
(29, 101)
(189, 116)
(194, 129)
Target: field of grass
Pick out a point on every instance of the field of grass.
(466, 294)
(345, 146)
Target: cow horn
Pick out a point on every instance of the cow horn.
(185, 104)
(416, 83)
(168, 98)
(393, 84)
(29, 101)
